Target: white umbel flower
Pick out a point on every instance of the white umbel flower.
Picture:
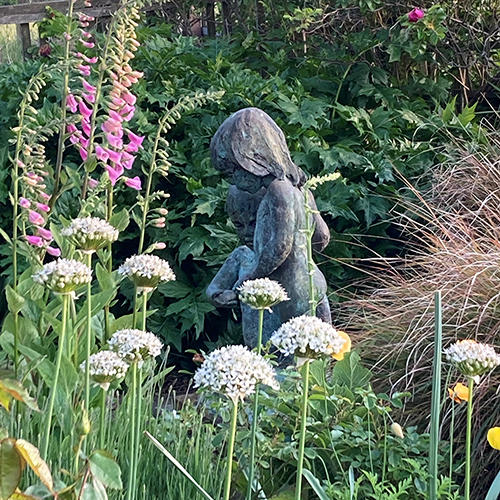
(262, 293)
(146, 271)
(308, 337)
(135, 346)
(90, 233)
(105, 367)
(234, 371)
(472, 358)
(63, 276)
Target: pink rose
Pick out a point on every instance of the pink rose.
(415, 15)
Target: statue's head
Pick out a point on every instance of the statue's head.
(249, 141)
(242, 208)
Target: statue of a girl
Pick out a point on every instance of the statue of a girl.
(250, 149)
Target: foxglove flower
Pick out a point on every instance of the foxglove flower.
(63, 276)
(234, 371)
(262, 293)
(472, 358)
(105, 367)
(135, 346)
(309, 337)
(146, 271)
(90, 233)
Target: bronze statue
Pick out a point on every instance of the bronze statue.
(266, 204)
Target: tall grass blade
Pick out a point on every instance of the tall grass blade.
(315, 485)
(494, 491)
(436, 398)
(178, 465)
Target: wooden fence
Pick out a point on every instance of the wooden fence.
(24, 13)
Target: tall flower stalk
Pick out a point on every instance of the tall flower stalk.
(473, 360)
(308, 338)
(235, 372)
(260, 294)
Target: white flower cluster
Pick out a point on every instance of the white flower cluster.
(104, 367)
(234, 371)
(308, 337)
(472, 358)
(262, 293)
(63, 275)
(146, 271)
(135, 346)
(90, 233)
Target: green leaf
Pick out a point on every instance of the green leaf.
(11, 468)
(120, 220)
(315, 485)
(15, 301)
(494, 491)
(449, 110)
(467, 115)
(104, 467)
(349, 371)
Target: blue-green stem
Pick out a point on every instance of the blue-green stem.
(60, 350)
(132, 451)
(303, 423)
(468, 440)
(88, 261)
(230, 450)
(452, 431)
(253, 432)
(102, 419)
(436, 399)
(309, 231)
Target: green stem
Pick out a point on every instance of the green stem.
(109, 214)
(452, 431)
(134, 313)
(309, 231)
(303, 423)
(230, 449)
(88, 261)
(132, 454)
(138, 431)
(144, 309)
(53, 391)
(468, 440)
(77, 455)
(62, 129)
(102, 419)
(255, 414)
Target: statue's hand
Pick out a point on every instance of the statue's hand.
(227, 298)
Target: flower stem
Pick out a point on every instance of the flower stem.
(309, 232)
(102, 419)
(109, 214)
(255, 414)
(133, 398)
(468, 440)
(230, 449)
(88, 261)
(138, 427)
(144, 309)
(303, 423)
(452, 430)
(53, 391)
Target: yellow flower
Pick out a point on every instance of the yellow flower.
(459, 393)
(345, 348)
(494, 437)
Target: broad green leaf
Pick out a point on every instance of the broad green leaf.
(99, 489)
(4, 433)
(14, 389)
(350, 372)
(14, 300)
(467, 115)
(32, 456)
(120, 220)
(104, 467)
(11, 468)
(449, 110)
(19, 495)
(315, 485)
(494, 491)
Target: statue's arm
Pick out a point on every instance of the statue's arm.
(220, 291)
(274, 231)
(321, 236)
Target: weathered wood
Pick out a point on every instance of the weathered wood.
(210, 15)
(23, 34)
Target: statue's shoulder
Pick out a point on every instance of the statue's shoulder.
(281, 189)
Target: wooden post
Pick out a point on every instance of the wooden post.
(210, 14)
(23, 34)
(226, 18)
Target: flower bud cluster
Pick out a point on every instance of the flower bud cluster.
(135, 346)
(90, 233)
(113, 152)
(146, 271)
(262, 293)
(63, 276)
(472, 358)
(35, 197)
(234, 371)
(105, 367)
(308, 337)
